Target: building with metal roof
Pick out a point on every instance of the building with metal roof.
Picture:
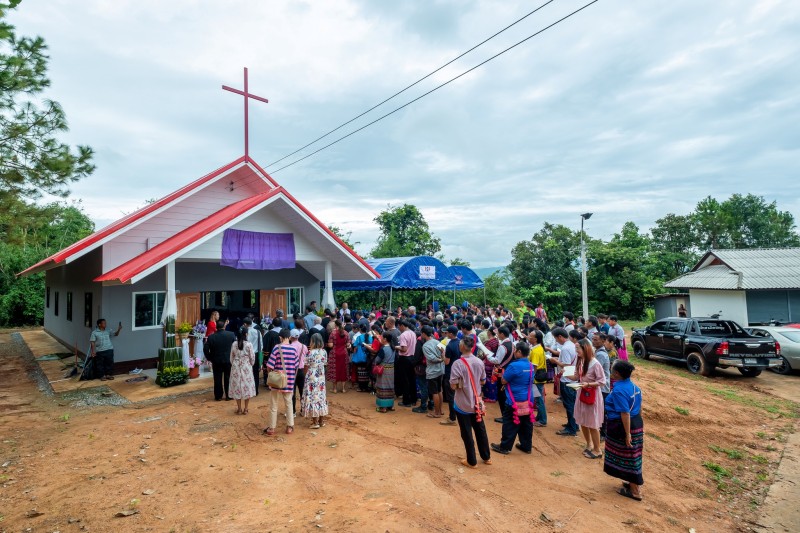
(751, 286)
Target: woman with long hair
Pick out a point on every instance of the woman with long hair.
(242, 382)
(360, 356)
(589, 407)
(315, 401)
(384, 377)
(625, 434)
(490, 387)
(537, 357)
(338, 345)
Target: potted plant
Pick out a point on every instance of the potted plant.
(172, 375)
(194, 366)
(183, 330)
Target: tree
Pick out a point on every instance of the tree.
(28, 234)
(545, 268)
(404, 232)
(459, 262)
(32, 160)
(345, 236)
(674, 243)
(743, 222)
(621, 274)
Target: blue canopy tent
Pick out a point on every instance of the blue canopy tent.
(465, 279)
(398, 273)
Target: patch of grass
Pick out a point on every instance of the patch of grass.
(782, 408)
(762, 477)
(719, 471)
(760, 459)
(133, 503)
(681, 410)
(557, 473)
(731, 453)
(771, 448)
(761, 435)
(65, 417)
(654, 436)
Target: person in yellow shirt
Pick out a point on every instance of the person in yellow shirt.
(537, 358)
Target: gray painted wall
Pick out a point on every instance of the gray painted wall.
(189, 277)
(77, 278)
(781, 305)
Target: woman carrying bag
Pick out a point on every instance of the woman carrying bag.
(519, 415)
(282, 369)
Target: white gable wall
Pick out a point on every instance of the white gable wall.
(180, 216)
(731, 305)
(264, 221)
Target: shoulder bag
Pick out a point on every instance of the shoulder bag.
(525, 409)
(278, 379)
(587, 395)
(480, 407)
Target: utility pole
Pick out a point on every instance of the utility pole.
(584, 291)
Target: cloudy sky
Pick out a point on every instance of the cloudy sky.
(631, 110)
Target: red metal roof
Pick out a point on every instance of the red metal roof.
(180, 241)
(84, 243)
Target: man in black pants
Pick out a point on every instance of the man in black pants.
(218, 351)
(452, 353)
(404, 368)
(501, 358)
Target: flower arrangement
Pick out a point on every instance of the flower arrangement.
(199, 329)
(194, 361)
(173, 375)
(266, 322)
(185, 328)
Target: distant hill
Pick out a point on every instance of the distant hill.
(485, 272)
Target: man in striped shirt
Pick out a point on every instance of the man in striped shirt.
(284, 358)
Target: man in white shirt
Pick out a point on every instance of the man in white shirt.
(567, 357)
(569, 321)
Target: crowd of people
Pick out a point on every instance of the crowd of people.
(461, 357)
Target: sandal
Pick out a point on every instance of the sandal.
(269, 432)
(289, 430)
(432, 415)
(314, 426)
(628, 494)
(245, 411)
(487, 461)
(465, 463)
(380, 409)
(592, 455)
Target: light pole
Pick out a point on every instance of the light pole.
(584, 291)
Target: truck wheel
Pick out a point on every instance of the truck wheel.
(640, 351)
(697, 364)
(750, 372)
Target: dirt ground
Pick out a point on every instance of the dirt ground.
(190, 464)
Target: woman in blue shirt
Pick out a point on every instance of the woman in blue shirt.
(625, 432)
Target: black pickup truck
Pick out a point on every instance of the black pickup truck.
(706, 343)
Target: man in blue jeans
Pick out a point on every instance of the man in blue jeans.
(567, 356)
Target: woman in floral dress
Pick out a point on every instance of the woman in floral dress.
(315, 402)
(242, 383)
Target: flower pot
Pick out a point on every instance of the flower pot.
(194, 372)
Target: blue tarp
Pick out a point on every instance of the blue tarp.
(421, 272)
(466, 278)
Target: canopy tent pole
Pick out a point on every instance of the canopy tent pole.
(390, 299)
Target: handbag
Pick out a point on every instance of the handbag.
(588, 395)
(377, 370)
(278, 379)
(480, 407)
(540, 375)
(525, 409)
(359, 357)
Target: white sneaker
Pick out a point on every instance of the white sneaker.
(135, 371)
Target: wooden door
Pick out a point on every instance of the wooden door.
(270, 301)
(188, 308)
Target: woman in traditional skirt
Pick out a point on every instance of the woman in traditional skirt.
(338, 345)
(384, 380)
(361, 342)
(490, 387)
(625, 433)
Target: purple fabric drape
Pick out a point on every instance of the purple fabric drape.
(251, 250)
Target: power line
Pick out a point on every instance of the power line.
(398, 93)
(436, 88)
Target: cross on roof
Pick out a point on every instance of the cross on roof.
(247, 96)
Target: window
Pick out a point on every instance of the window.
(674, 327)
(87, 309)
(294, 301)
(659, 326)
(47, 297)
(147, 307)
(55, 305)
(69, 306)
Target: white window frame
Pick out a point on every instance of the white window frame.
(133, 310)
(286, 312)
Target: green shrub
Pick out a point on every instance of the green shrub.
(173, 375)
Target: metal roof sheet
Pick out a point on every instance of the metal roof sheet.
(760, 268)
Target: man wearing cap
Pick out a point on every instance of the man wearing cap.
(302, 351)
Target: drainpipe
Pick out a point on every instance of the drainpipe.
(738, 278)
